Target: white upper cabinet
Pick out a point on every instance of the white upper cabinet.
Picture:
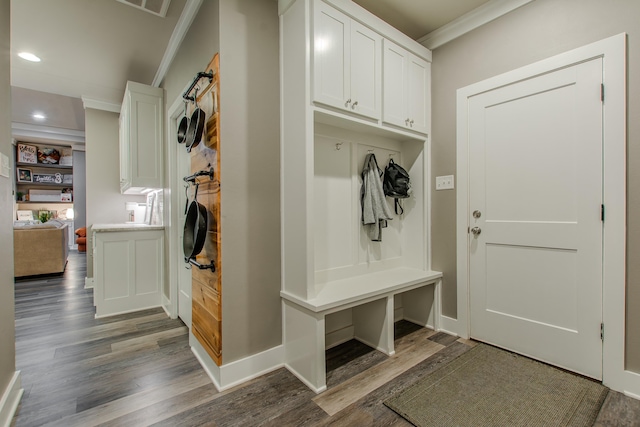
(407, 89)
(347, 63)
(141, 138)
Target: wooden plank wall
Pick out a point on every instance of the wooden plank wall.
(207, 284)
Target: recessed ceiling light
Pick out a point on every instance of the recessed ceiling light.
(29, 56)
(39, 116)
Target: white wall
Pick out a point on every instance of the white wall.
(105, 204)
(79, 189)
(198, 47)
(245, 33)
(540, 29)
(250, 177)
(7, 323)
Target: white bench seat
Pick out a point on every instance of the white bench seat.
(371, 297)
(345, 293)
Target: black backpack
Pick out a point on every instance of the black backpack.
(396, 184)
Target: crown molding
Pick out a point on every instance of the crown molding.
(179, 32)
(98, 104)
(45, 133)
(482, 15)
(283, 6)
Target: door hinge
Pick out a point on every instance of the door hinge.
(602, 213)
(602, 331)
(602, 92)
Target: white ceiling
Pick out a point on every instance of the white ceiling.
(90, 48)
(417, 18)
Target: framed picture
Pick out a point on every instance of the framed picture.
(25, 215)
(27, 153)
(67, 195)
(48, 155)
(24, 175)
(47, 178)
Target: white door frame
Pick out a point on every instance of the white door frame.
(171, 172)
(613, 52)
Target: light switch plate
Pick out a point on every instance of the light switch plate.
(4, 165)
(444, 182)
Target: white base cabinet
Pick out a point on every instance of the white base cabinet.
(128, 270)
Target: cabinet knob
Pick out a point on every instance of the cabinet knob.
(406, 122)
(353, 107)
(346, 104)
(411, 122)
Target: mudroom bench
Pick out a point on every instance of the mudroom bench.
(371, 298)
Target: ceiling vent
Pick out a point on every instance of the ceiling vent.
(157, 7)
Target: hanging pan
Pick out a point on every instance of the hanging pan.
(195, 228)
(196, 125)
(183, 126)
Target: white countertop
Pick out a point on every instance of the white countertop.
(129, 226)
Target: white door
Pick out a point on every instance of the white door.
(183, 168)
(535, 180)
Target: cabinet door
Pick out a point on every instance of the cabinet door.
(128, 271)
(419, 95)
(125, 155)
(145, 136)
(366, 67)
(395, 85)
(331, 60)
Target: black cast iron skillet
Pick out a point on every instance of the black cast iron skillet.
(196, 126)
(184, 125)
(195, 228)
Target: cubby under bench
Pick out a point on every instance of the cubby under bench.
(371, 298)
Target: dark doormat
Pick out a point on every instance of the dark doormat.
(490, 387)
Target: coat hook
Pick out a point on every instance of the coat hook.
(369, 151)
(339, 145)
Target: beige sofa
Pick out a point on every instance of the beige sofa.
(40, 249)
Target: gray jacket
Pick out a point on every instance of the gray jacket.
(375, 211)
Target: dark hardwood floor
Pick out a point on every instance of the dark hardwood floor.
(137, 370)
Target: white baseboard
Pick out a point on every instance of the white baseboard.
(251, 367)
(450, 326)
(212, 370)
(341, 336)
(10, 400)
(376, 347)
(88, 282)
(417, 322)
(168, 307)
(304, 381)
(627, 383)
(133, 310)
(239, 371)
(632, 395)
